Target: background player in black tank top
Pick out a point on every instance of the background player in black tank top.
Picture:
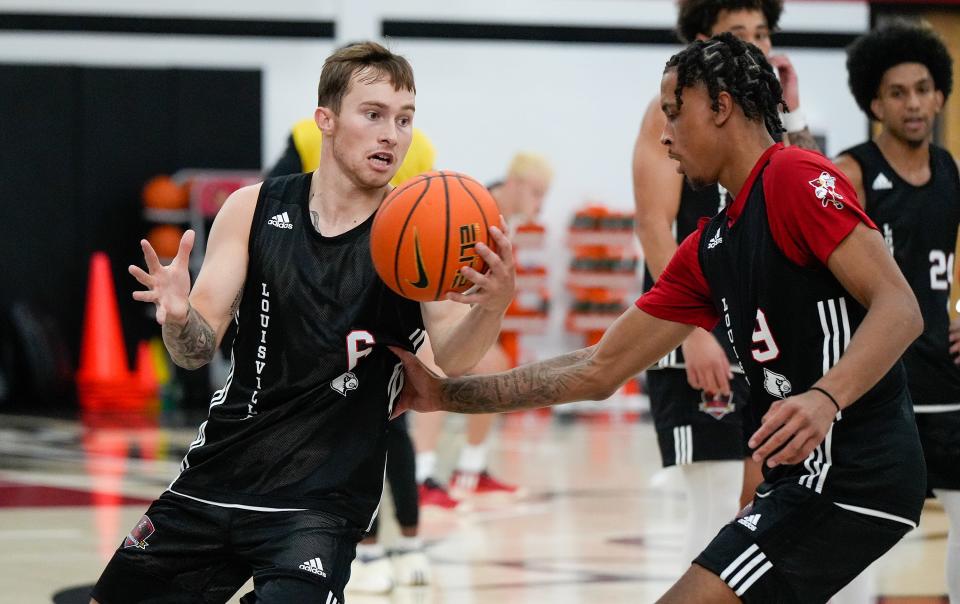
(286, 473)
(901, 75)
(819, 315)
(697, 392)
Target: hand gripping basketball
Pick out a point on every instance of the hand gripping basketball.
(493, 290)
(168, 287)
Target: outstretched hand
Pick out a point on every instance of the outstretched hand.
(493, 290)
(421, 387)
(792, 428)
(168, 287)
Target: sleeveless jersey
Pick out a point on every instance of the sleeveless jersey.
(695, 204)
(919, 225)
(789, 324)
(301, 421)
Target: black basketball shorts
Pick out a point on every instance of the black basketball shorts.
(795, 546)
(693, 426)
(185, 551)
(941, 446)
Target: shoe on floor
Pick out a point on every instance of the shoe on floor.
(371, 577)
(482, 483)
(411, 568)
(433, 494)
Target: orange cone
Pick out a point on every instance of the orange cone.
(146, 371)
(103, 354)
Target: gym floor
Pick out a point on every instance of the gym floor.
(600, 521)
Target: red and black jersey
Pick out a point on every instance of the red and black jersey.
(302, 419)
(759, 269)
(920, 227)
(695, 204)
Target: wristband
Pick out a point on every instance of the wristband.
(794, 121)
(832, 400)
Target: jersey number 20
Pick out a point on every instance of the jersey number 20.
(941, 269)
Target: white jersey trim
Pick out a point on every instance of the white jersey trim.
(237, 506)
(936, 408)
(664, 363)
(682, 445)
(876, 513)
(218, 398)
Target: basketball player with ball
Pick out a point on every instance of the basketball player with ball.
(286, 473)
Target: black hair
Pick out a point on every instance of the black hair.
(872, 54)
(726, 63)
(697, 17)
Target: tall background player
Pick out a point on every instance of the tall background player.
(901, 75)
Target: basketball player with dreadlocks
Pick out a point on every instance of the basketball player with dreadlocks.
(697, 392)
(818, 315)
(900, 76)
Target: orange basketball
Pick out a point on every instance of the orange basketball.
(162, 193)
(165, 239)
(427, 229)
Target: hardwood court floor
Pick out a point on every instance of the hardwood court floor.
(600, 521)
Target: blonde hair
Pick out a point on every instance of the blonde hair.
(526, 164)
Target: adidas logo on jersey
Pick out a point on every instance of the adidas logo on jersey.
(750, 521)
(881, 182)
(715, 240)
(281, 221)
(314, 566)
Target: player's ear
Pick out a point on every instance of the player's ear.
(325, 119)
(724, 108)
(876, 107)
(940, 100)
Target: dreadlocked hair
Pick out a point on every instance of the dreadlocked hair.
(726, 63)
(697, 17)
(900, 41)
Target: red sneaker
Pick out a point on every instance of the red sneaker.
(433, 494)
(479, 484)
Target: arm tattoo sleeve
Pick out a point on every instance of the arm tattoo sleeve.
(191, 345)
(557, 380)
(803, 139)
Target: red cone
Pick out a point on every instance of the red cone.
(103, 356)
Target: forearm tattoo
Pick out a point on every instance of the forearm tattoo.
(191, 345)
(553, 381)
(803, 139)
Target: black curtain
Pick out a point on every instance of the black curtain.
(76, 146)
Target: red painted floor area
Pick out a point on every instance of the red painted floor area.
(16, 495)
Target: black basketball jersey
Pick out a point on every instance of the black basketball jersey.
(301, 421)
(695, 204)
(920, 227)
(789, 325)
